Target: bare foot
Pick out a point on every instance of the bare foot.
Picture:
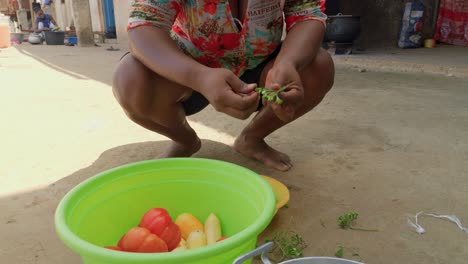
(258, 149)
(179, 150)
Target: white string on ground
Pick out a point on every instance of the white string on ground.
(420, 230)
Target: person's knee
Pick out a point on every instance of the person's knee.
(121, 84)
(324, 67)
(326, 63)
(318, 77)
(129, 79)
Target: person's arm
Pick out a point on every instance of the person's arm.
(154, 48)
(305, 24)
(36, 25)
(301, 44)
(52, 20)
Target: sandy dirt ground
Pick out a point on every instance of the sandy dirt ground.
(383, 144)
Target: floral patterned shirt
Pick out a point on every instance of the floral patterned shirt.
(207, 31)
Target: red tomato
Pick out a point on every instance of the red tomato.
(139, 239)
(156, 220)
(171, 235)
(113, 248)
(159, 222)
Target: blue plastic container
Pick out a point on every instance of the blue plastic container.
(72, 40)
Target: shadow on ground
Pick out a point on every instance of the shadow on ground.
(96, 63)
(34, 211)
(382, 144)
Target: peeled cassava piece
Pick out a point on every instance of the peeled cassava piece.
(212, 229)
(196, 239)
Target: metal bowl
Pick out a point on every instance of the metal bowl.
(320, 260)
(265, 248)
(342, 28)
(35, 38)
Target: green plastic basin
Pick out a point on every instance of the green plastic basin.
(97, 212)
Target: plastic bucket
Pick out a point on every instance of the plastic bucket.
(100, 210)
(5, 41)
(55, 38)
(16, 38)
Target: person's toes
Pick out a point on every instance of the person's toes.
(278, 165)
(260, 151)
(287, 164)
(273, 160)
(284, 157)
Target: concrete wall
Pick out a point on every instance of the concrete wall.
(381, 20)
(97, 15)
(121, 10)
(4, 4)
(9, 7)
(63, 14)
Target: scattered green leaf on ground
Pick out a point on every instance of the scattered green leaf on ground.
(322, 223)
(339, 252)
(288, 245)
(347, 220)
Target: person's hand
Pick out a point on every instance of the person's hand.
(293, 97)
(228, 94)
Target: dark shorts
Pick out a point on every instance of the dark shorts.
(197, 102)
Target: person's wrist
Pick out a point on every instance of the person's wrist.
(197, 77)
(285, 64)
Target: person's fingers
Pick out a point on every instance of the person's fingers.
(255, 106)
(246, 105)
(249, 88)
(239, 86)
(240, 102)
(274, 86)
(292, 95)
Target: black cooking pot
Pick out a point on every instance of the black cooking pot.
(342, 28)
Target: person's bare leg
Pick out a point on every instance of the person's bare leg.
(155, 104)
(317, 79)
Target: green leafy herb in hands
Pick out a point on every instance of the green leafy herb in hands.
(288, 245)
(270, 94)
(346, 221)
